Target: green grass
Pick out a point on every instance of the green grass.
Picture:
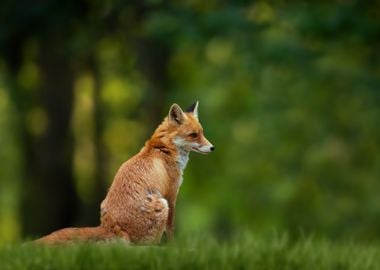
(246, 252)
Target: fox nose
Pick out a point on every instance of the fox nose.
(212, 148)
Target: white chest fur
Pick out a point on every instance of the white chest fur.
(183, 156)
(182, 160)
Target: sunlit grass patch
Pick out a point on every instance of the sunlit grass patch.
(244, 252)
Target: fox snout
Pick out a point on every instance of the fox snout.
(204, 148)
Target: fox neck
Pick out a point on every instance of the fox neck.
(182, 158)
(162, 139)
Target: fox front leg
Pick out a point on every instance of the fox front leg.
(170, 225)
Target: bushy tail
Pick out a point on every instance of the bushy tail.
(77, 235)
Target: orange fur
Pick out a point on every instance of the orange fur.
(140, 204)
(69, 235)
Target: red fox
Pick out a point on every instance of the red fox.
(140, 204)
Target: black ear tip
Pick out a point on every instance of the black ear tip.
(192, 107)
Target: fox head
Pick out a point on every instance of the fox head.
(186, 131)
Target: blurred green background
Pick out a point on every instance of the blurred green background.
(289, 95)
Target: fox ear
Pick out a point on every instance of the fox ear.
(193, 109)
(176, 114)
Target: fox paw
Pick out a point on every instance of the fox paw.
(155, 202)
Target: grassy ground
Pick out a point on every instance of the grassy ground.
(246, 252)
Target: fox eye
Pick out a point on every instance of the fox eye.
(193, 135)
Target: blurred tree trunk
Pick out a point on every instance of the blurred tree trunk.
(152, 59)
(49, 192)
(101, 165)
(43, 114)
(153, 62)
